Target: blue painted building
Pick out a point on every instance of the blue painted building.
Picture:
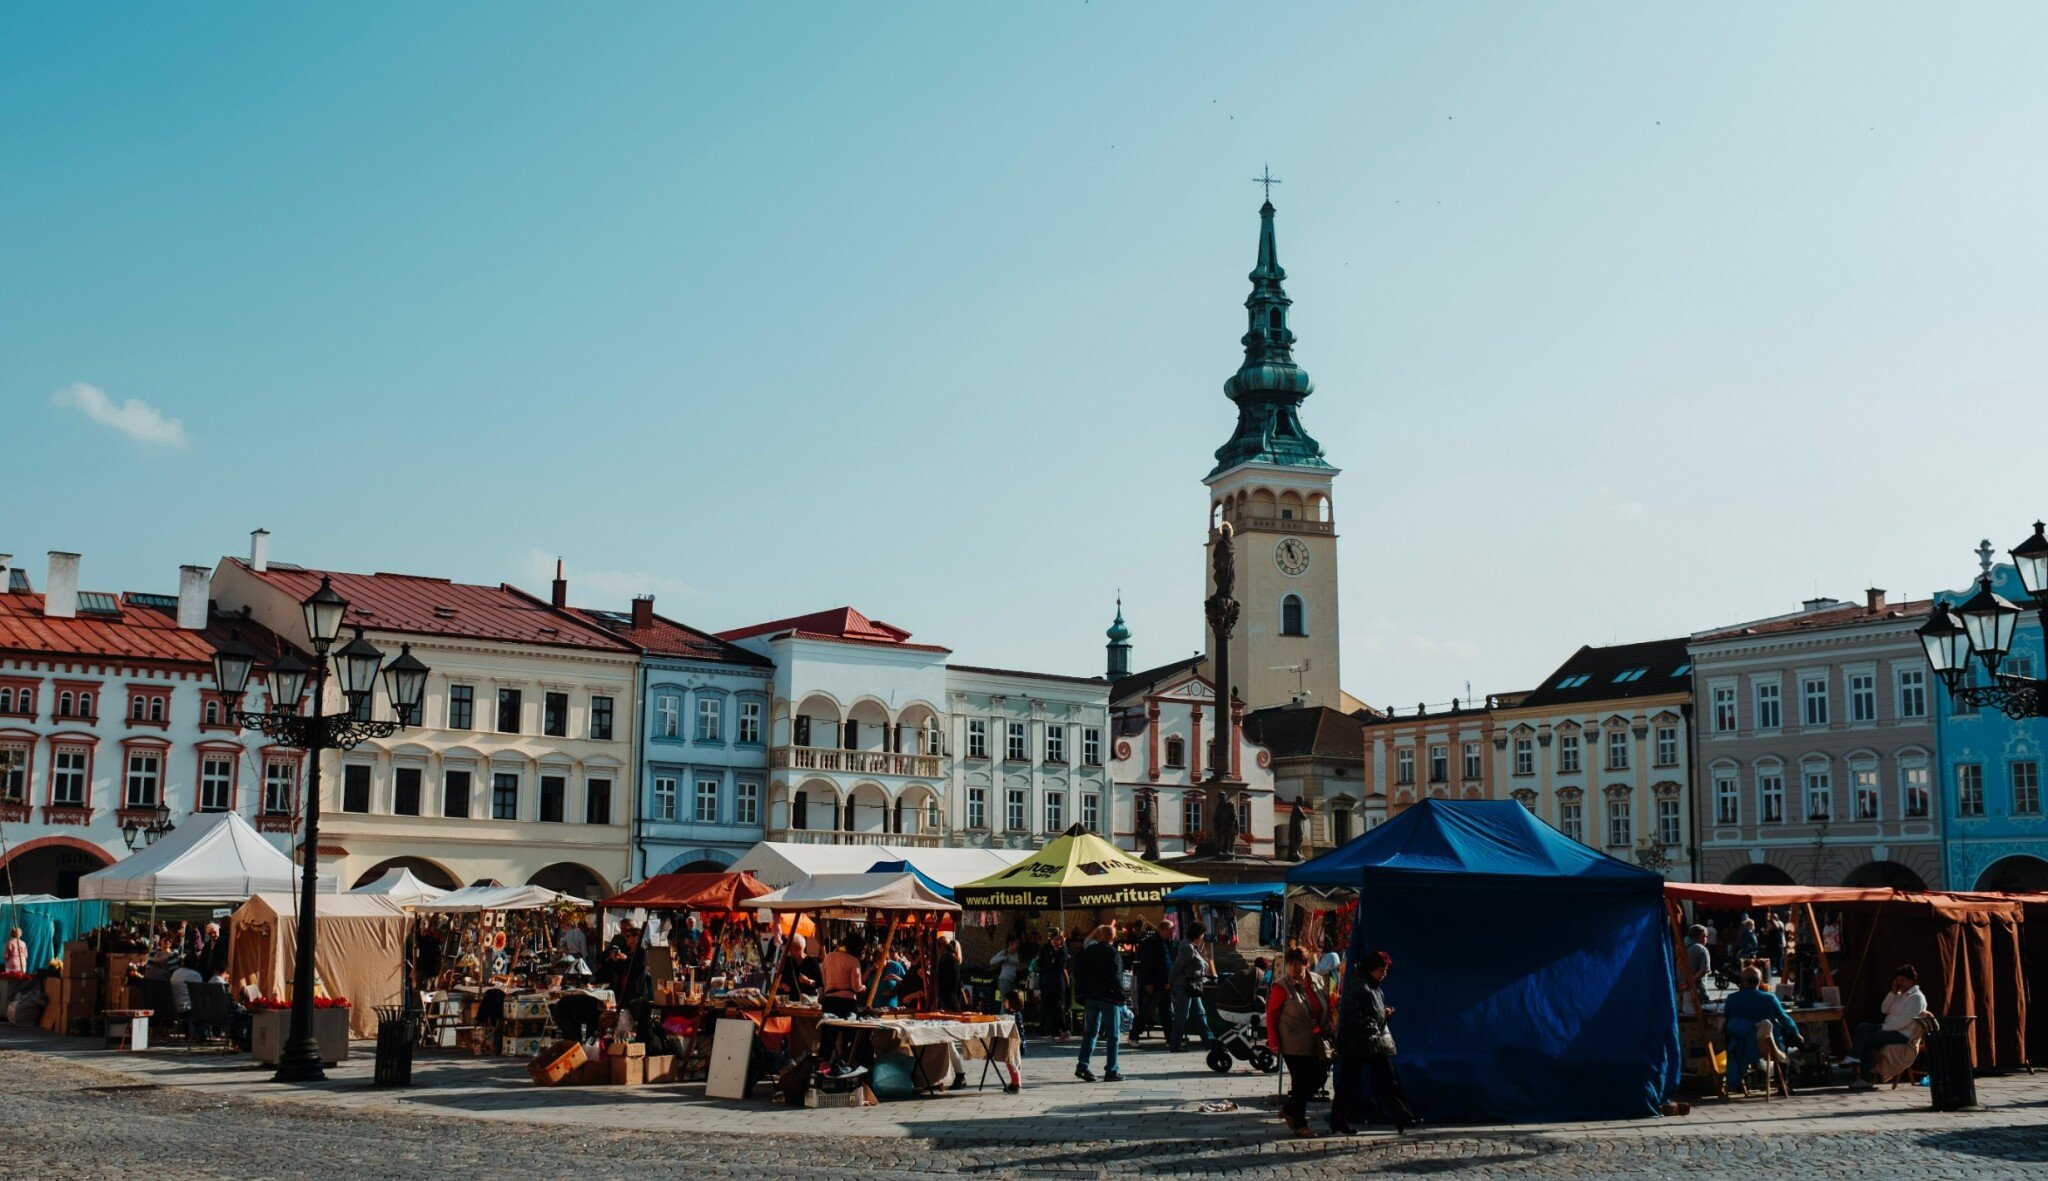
(703, 752)
(1993, 829)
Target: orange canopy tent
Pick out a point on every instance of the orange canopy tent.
(1774, 897)
(689, 891)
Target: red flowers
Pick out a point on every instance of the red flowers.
(319, 1002)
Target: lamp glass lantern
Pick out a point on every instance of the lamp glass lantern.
(1990, 620)
(356, 663)
(405, 681)
(287, 679)
(1947, 643)
(324, 609)
(2030, 558)
(233, 662)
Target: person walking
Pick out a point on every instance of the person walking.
(946, 975)
(1184, 982)
(1155, 960)
(1052, 986)
(1774, 944)
(1298, 1029)
(1099, 982)
(1366, 1049)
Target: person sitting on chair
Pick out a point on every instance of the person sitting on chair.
(1901, 1006)
(1746, 1008)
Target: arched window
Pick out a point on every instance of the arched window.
(1291, 621)
(85, 705)
(1273, 319)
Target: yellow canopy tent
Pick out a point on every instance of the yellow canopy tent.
(1076, 870)
(360, 953)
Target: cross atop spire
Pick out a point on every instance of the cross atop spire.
(1268, 180)
(1985, 553)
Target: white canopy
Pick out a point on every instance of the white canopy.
(779, 863)
(401, 887)
(474, 898)
(211, 857)
(853, 891)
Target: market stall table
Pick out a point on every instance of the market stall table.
(930, 1040)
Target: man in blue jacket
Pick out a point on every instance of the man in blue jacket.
(1746, 1008)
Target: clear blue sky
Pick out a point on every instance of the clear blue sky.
(1626, 320)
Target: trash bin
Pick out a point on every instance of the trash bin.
(1950, 1082)
(397, 1030)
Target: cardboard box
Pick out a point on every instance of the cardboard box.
(593, 1074)
(82, 994)
(661, 1068)
(556, 1064)
(627, 1050)
(628, 1072)
(858, 1097)
(80, 960)
(527, 1009)
(525, 1047)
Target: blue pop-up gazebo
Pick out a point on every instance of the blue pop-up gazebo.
(1532, 975)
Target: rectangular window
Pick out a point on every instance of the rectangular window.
(1913, 791)
(216, 783)
(1055, 811)
(508, 711)
(1724, 709)
(1017, 817)
(455, 786)
(746, 803)
(1969, 789)
(1567, 754)
(706, 810)
(1525, 756)
(664, 797)
(1770, 706)
(801, 726)
(1055, 744)
(1620, 829)
(1813, 701)
(405, 791)
(750, 722)
(1727, 800)
(597, 801)
(505, 795)
(1820, 796)
(461, 707)
(554, 715)
(1863, 781)
(1667, 822)
(1091, 746)
(1091, 811)
(1015, 747)
(1770, 798)
(1667, 746)
(1571, 819)
(1404, 766)
(710, 712)
(1473, 767)
(977, 807)
(145, 776)
(1439, 764)
(977, 738)
(554, 798)
(2026, 788)
(1912, 692)
(1862, 697)
(600, 718)
(278, 787)
(67, 785)
(668, 716)
(1617, 750)
(1190, 814)
(355, 788)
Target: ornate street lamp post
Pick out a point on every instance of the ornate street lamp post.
(356, 665)
(1983, 625)
(139, 835)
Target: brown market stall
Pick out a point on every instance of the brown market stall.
(696, 964)
(501, 974)
(359, 952)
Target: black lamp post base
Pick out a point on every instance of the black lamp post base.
(300, 1065)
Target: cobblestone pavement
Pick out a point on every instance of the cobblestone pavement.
(71, 1114)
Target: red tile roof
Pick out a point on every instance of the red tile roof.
(841, 625)
(1844, 615)
(416, 605)
(668, 638)
(145, 628)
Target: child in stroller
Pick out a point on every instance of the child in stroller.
(1237, 1022)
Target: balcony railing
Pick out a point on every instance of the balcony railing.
(826, 836)
(854, 762)
(1286, 525)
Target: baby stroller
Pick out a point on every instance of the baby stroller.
(1235, 1017)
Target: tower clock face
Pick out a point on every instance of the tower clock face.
(1291, 555)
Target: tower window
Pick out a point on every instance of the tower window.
(1273, 319)
(1291, 623)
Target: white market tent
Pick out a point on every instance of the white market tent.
(826, 892)
(211, 857)
(781, 863)
(471, 899)
(401, 887)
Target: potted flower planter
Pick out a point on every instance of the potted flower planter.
(268, 1029)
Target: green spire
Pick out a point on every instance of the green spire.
(1269, 387)
(1119, 644)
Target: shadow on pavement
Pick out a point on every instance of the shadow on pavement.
(2013, 1145)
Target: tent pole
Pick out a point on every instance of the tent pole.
(1699, 1003)
(796, 919)
(1827, 974)
(888, 941)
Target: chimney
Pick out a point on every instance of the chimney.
(60, 596)
(193, 598)
(643, 612)
(561, 598)
(1874, 599)
(6, 573)
(259, 550)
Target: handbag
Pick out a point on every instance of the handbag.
(1381, 1044)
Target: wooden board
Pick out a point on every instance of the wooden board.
(731, 1050)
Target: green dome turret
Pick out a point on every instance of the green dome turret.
(1119, 644)
(1269, 387)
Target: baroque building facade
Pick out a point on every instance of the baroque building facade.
(1994, 836)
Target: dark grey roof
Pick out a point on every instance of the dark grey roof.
(1617, 671)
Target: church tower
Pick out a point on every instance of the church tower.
(1272, 484)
